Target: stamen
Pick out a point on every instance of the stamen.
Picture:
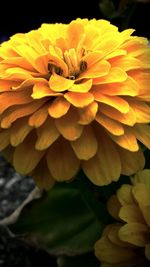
(83, 66)
(53, 68)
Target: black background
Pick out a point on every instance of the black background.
(24, 16)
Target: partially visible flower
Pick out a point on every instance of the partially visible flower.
(75, 96)
(128, 242)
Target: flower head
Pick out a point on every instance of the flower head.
(128, 241)
(75, 96)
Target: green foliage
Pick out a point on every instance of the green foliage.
(67, 220)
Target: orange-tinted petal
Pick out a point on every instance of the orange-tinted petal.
(14, 112)
(112, 126)
(59, 84)
(131, 162)
(38, 117)
(47, 134)
(97, 70)
(127, 140)
(85, 147)
(79, 100)
(83, 87)
(4, 139)
(87, 114)
(62, 161)
(115, 74)
(113, 101)
(41, 90)
(26, 157)
(19, 130)
(97, 169)
(68, 125)
(58, 107)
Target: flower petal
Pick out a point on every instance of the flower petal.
(131, 213)
(113, 101)
(59, 84)
(23, 161)
(42, 176)
(85, 146)
(19, 130)
(131, 162)
(134, 233)
(142, 133)
(112, 126)
(87, 114)
(41, 90)
(58, 107)
(61, 161)
(47, 134)
(38, 117)
(98, 69)
(4, 138)
(127, 140)
(13, 113)
(79, 100)
(82, 87)
(97, 169)
(115, 74)
(68, 125)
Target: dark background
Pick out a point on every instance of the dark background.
(24, 16)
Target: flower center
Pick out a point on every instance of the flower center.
(75, 65)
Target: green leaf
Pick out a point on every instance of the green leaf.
(88, 260)
(67, 220)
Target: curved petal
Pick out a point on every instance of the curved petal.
(61, 161)
(85, 147)
(79, 100)
(59, 107)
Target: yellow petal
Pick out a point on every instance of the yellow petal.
(128, 87)
(127, 63)
(115, 74)
(59, 84)
(55, 59)
(42, 176)
(38, 117)
(141, 193)
(82, 87)
(26, 157)
(85, 146)
(97, 169)
(58, 107)
(10, 98)
(68, 125)
(134, 233)
(128, 118)
(142, 133)
(110, 253)
(124, 195)
(113, 101)
(41, 90)
(96, 70)
(15, 113)
(131, 162)
(75, 30)
(112, 126)
(4, 139)
(142, 177)
(87, 114)
(61, 161)
(127, 140)
(141, 109)
(113, 206)
(47, 134)
(79, 100)
(19, 130)
(131, 213)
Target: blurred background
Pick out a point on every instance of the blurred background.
(27, 15)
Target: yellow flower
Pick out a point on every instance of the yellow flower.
(128, 241)
(75, 96)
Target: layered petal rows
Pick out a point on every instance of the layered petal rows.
(127, 242)
(75, 96)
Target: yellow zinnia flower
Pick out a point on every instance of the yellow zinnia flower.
(75, 96)
(128, 241)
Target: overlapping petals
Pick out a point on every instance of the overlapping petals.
(75, 96)
(127, 242)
